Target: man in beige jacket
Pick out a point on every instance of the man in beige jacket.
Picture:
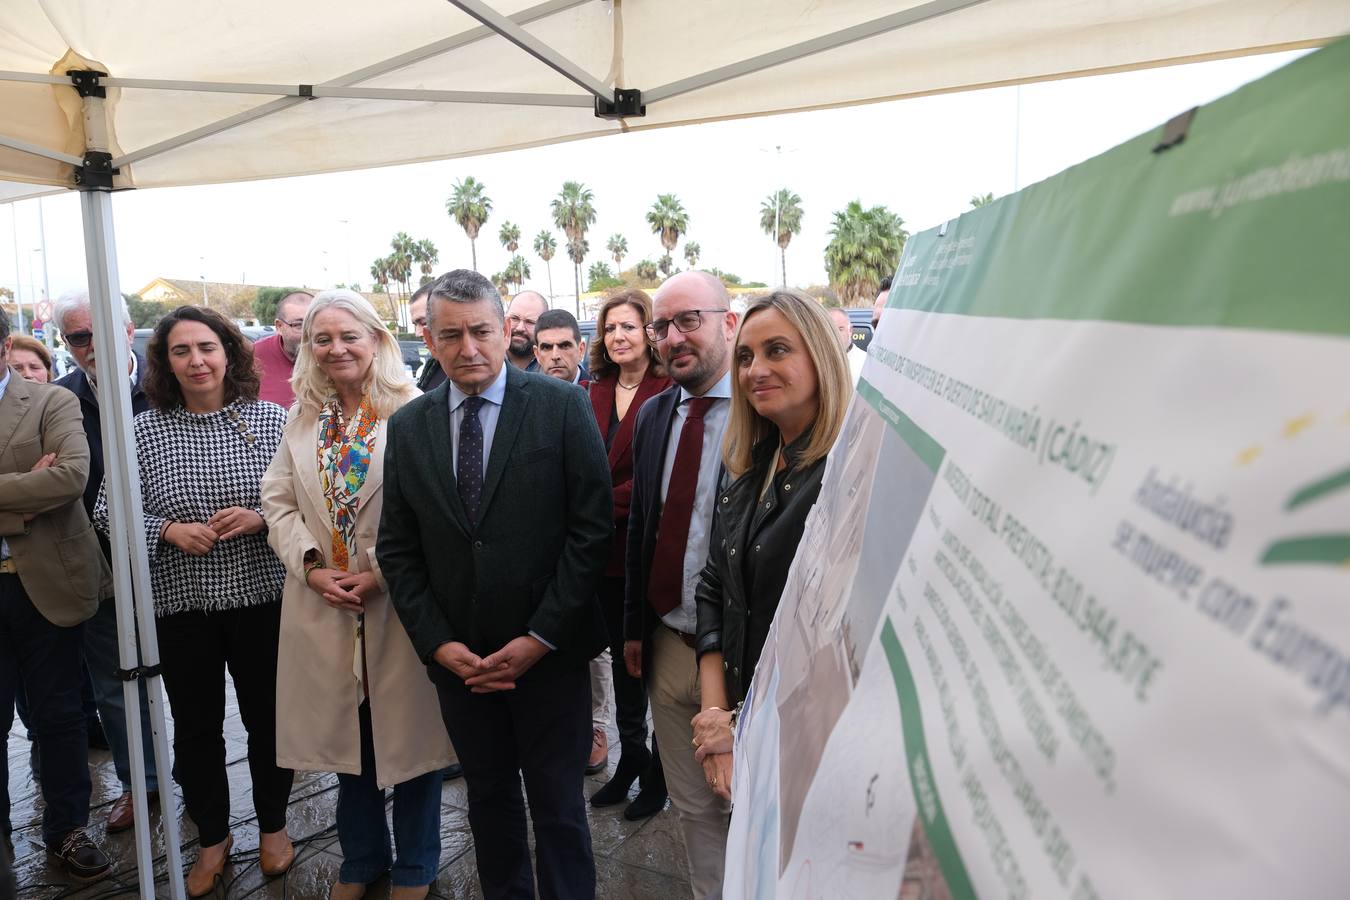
(52, 576)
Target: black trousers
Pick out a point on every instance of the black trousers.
(194, 649)
(541, 730)
(47, 658)
(630, 698)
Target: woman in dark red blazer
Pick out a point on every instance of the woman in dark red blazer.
(625, 374)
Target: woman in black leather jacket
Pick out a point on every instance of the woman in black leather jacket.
(788, 398)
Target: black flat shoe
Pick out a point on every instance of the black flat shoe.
(632, 763)
(648, 802)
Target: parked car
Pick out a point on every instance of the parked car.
(141, 338)
(415, 353)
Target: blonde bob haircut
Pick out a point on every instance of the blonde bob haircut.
(387, 382)
(834, 386)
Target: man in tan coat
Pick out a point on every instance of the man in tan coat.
(52, 576)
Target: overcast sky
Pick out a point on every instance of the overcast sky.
(922, 158)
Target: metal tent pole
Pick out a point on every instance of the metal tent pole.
(126, 524)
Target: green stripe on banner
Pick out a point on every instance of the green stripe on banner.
(928, 450)
(920, 771)
(1327, 549)
(1241, 225)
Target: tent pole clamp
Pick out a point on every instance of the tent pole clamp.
(138, 672)
(627, 103)
(87, 82)
(96, 174)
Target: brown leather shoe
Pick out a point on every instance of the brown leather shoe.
(201, 880)
(122, 816)
(599, 751)
(275, 862)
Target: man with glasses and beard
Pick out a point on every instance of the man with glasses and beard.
(521, 318)
(677, 471)
(276, 353)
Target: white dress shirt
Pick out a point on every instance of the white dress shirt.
(685, 617)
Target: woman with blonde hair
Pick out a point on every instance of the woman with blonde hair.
(789, 394)
(353, 698)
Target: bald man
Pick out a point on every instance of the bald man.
(677, 472)
(521, 317)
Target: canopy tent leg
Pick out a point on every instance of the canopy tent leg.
(130, 563)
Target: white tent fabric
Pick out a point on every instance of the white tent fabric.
(940, 45)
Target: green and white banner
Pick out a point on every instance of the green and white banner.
(1072, 615)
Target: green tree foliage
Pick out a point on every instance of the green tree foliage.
(691, 253)
(981, 200)
(864, 247)
(264, 305)
(145, 313)
(426, 256)
(573, 213)
(780, 217)
(516, 271)
(668, 220)
(470, 207)
(666, 264)
(646, 271)
(509, 235)
(600, 277)
(545, 246)
(618, 248)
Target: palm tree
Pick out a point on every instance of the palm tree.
(545, 245)
(666, 265)
(599, 276)
(516, 271)
(618, 248)
(576, 251)
(668, 220)
(426, 256)
(509, 236)
(780, 215)
(502, 284)
(981, 200)
(469, 206)
(400, 268)
(573, 213)
(645, 270)
(691, 253)
(865, 246)
(379, 273)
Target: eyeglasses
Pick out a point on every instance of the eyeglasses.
(78, 338)
(297, 324)
(685, 322)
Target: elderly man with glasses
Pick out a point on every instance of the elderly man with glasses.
(76, 324)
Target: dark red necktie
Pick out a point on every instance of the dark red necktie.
(665, 586)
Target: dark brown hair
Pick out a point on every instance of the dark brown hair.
(601, 365)
(241, 374)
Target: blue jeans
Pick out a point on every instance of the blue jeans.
(100, 654)
(364, 833)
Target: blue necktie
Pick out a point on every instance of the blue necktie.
(469, 469)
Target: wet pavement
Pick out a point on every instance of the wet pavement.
(632, 859)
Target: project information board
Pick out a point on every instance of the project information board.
(1071, 617)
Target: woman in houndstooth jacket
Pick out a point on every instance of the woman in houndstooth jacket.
(203, 447)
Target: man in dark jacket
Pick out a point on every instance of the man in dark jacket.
(676, 471)
(502, 608)
(100, 633)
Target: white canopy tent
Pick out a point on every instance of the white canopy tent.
(179, 92)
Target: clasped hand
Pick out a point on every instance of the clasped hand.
(496, 672)
(713, 742)
(346, 591)
(196, 539)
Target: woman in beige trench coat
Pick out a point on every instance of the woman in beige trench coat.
(352, 696)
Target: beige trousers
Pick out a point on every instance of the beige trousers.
(602, 691)
(704, 817)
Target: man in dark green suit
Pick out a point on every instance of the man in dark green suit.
(495, 531)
